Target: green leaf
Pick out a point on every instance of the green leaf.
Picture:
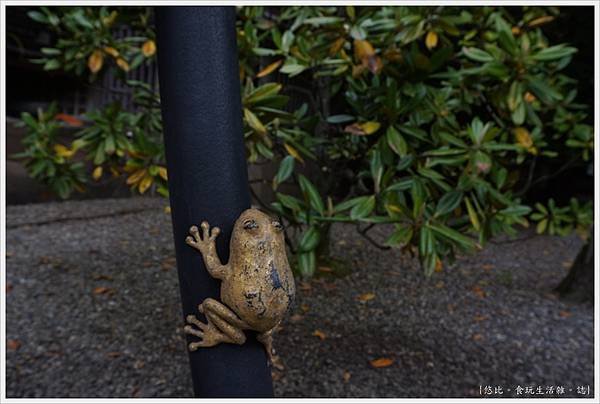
(403, 184)
(261, 93)
(307, 264)
(505, 37)
(254, 122)
(363, 208)
(396, 141)
(376, 169)
(292, 67)
(264, 151)
(414, 132)
(543, 91)
(340, 118)
(316, 21)
(312, 194)
(554, 52)
(452, 235)
(52, 64)
(286, 168)
(286, 41)
(400, 237)
(290, 202)
(448, 202)
(542, 226)
(518, 116)
(51, 51)
(347, 204)
(478, 55)
(310, 239)
(37, 16)
(472, 215)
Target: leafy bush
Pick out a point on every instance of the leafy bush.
(431, 119)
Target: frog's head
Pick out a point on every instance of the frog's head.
(253, 228)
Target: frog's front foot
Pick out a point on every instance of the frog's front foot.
(207, 241)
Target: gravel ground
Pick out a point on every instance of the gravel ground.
(82, 322)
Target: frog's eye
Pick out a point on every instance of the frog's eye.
(250, 224)
(277, 225)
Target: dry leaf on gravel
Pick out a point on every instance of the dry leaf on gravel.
(477, 337)
(320, 334)
(564, 314)
(168, 264)
(13, 344)
(478, 291)
(305, 286)
(296, 318)
(347, 375)
(325, 269)
(102, 277)
(103, 290)
(365, 297)
(381, 362)
(9, 287)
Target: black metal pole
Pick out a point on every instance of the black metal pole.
(201, 109)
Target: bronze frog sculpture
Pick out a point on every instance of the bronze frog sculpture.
(257, 285)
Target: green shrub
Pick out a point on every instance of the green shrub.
(431, 119)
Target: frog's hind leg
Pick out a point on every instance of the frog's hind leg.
(266, 338)
(228, 323)
(222, 325)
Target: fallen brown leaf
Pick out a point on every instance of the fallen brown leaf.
(567, 264)
(320, 334)
(477, 337)
(139, 364)
(325, 269)
(564, 314)
(102, 290)
(439, 267)
(480, 318)
(102, 277)
(9, 287)
(347, 375)
(487, 267)
(305, 286)
(365, 297)
(13, 344)
(113, 354)
(440, 284)
(381, 362)
(168, 264)
(478, 291)
(304, 307)
(296, 318)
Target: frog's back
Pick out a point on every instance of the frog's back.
(260, 292)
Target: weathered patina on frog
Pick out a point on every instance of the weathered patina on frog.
(257, 285)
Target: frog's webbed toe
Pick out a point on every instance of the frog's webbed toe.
(209, 334)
